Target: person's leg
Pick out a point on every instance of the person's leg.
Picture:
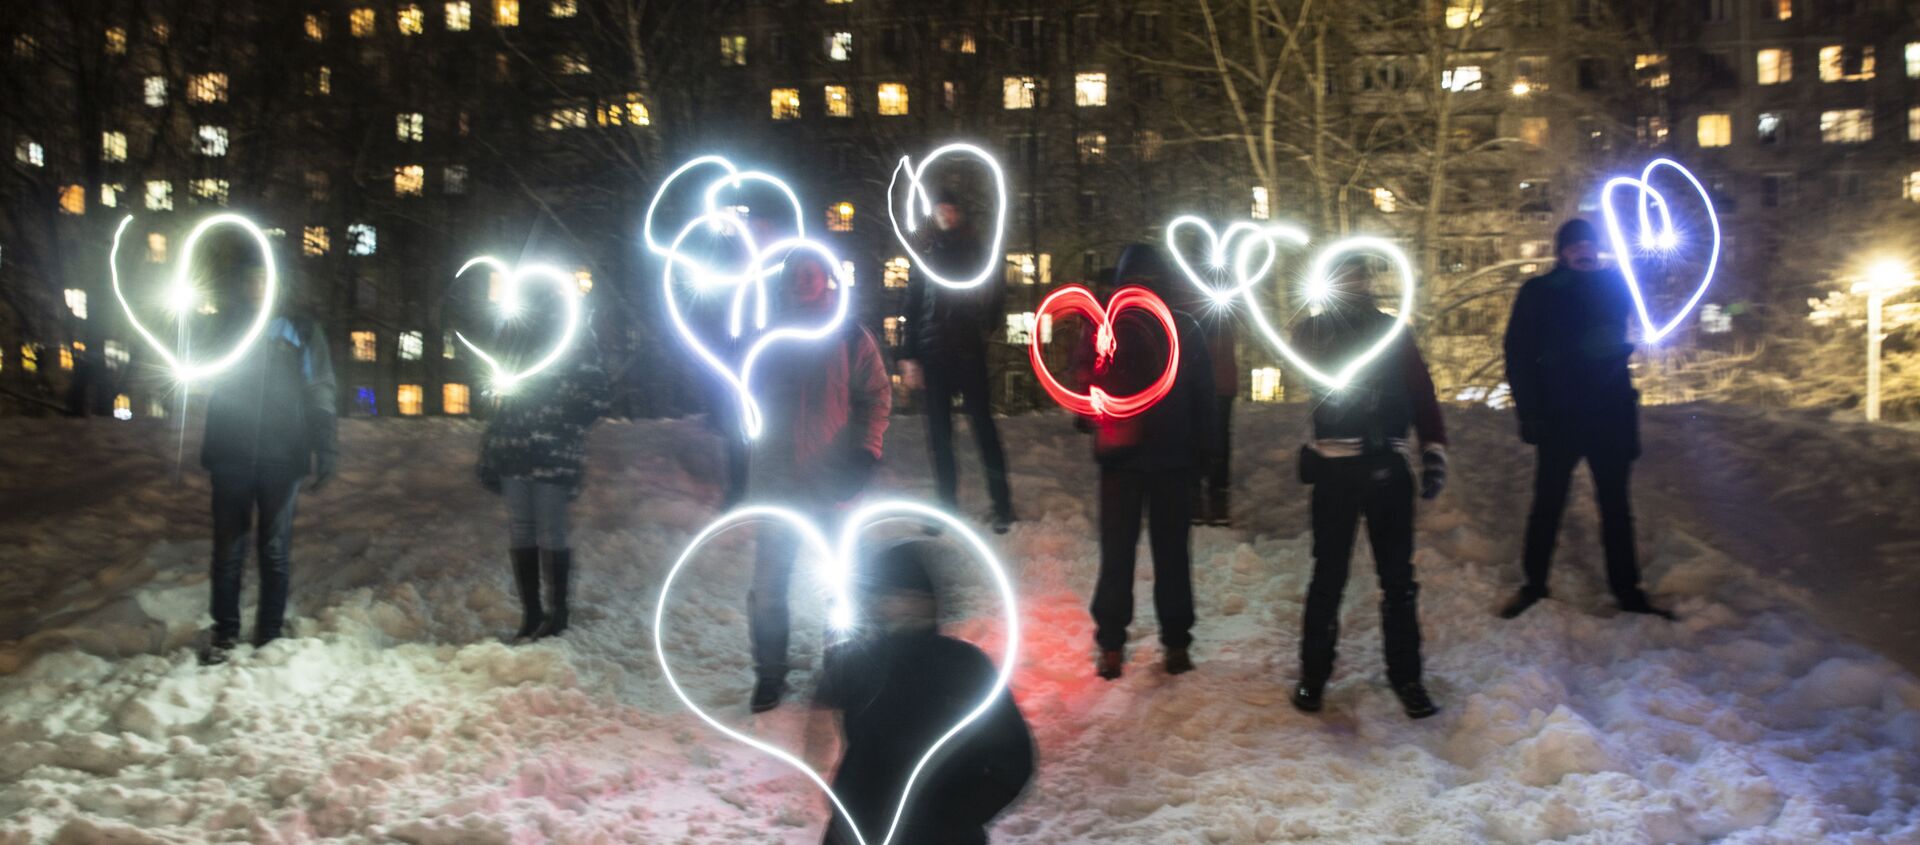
(768, 620)
(232, 526)
(1389, 511)
(524, 553)
(1220, 470)
(1171, 537)
(977, 392)
(1121, 496)
(552, 533)
(275, 496)
(1612, 474)
(1553, 472)
(1336, 510)
(939, 391)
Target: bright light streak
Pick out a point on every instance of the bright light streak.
(184, 370)
(1220, 254)
(1319, 284)
(1661, 237)
(1077, 299)
(837, 572)
(727, 218)
(504, 379)
(917, 191)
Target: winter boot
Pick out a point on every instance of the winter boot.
(218, 650)
(1178, 661)
(1003, 522)
(1219, 507)
(1111, 664)
(1414, 699)
(1640, 604)
(1309, 695)
(526, 578)
(559, 566)
(1520, 602)
(767, 693)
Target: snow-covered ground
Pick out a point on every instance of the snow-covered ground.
(395, 716)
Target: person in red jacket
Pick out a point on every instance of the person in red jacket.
(825, 407)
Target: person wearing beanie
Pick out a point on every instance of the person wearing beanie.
(1567, 365)
(900, 684)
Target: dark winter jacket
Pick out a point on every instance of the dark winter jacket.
(1174, 433)
(1372, 412)
(1567, 353)
(897, 694)
(947, 324)
(826, 406)
(539, 431)
(276, 408)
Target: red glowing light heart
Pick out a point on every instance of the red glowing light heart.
(1076, 299)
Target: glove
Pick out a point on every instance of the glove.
(1530, 431)
(910, 375)
(324, 466)
(854, 475)
(1433, 472)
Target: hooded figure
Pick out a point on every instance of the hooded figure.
(1567, 364)
(1147, 465)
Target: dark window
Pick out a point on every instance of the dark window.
(1593, 74)
(1086, 33)
(1716, 71)
(1146, 26)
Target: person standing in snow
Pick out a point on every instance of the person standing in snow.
(1213, 500)
(899, 687)
(1359, 463)
(533, 454)
(944, 351)
(271, 422)
(1566, 354)
(1147, 464)
(825, 407)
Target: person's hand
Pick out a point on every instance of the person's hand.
(324, 467)
(854, 476)
(1433, 472)
(910, 375)
(1530, 432)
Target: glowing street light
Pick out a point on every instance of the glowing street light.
(1884, 278)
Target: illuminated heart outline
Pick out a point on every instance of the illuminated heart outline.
(1218, 246)
(1077, 299)
(181, 294)
(1318, 286)
(735, 178)
(504, 380)
(1663, 238)
(917, 189)
(837, 570)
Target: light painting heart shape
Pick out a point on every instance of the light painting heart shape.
(511, 279)
(731, 178)
(1318, 286)
(1077, 299)
(1223, 260)
(918, 204)
(837, 571)
(1662, 238)
(180, 296)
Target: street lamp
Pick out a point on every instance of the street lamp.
(1885, 278)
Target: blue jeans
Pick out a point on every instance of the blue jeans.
(536, 513)
(237, 497)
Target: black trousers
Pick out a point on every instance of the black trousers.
(1166, 498)
(769, 619)
(1611, 466)
(1380, 488)
(966, 378)
(1216, 478)
(238, 496)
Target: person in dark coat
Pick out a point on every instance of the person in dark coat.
(1566, 352)
(1360, 465)
(944, 351)
(271, 422)
(1213, 490)
(899, 686)
(533, 453)
(1147, 465)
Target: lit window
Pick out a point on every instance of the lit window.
(116, 41)
(317, 27)
(156, 248)
(159, 195)
(1019, 92)
(1092, 147)
(1529, 75)
(1025, 268)
(412, 20)
(629, 111)
(1846, 64)
(566, 117)
(895, 272)
(409, 180)
(113, 146)
(412, 346)
(1910, 189)
(1020, 328)
(846, 269)
(838, 103)
(210, 189)
(1266, 384)
(1846, 126)
(785, 103)
(890, 328)
(1464, 13)
(455, 179)
(410, 126)
(733, 50)
(110, 194)
(314, 241)
(366, 346)
(30, 153)
(1652, 130)
(116, 355)
(211, 141)
(959, 40)
(454, 399)
(207, 88)
(319, 81)
(66, 358)
(1771, 127)
(1463, 78)
(448, 348)
(1090, 89)
(1913, 123)
(506, 12)
(409, 398)
(563, 8)
(77, 302)
(459, 16)
(1261, 209)
(362, 239)
(1534, 130)
(29, 358)
(840, 46)
(1385, 201)
(583, 278)
(572, 63)
(893, 98)
(1715, 130)
(1783, 10)
(154, 89)
(360, 22)
(840, 217)
(1650, 70)
(73, 199)
(122, 407)
(1774, 66)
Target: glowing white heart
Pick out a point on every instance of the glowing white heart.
(1223, 260)
(1319, 286)
(511, 278)
(919, 204)
(180, 296)
(1664, 238)
(837, 571)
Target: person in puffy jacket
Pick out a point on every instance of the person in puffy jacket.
(824, 405)
(533, 453)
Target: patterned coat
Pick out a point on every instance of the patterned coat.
(539, 432)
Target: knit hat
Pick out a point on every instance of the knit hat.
(1572, 232)
(899, 567)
